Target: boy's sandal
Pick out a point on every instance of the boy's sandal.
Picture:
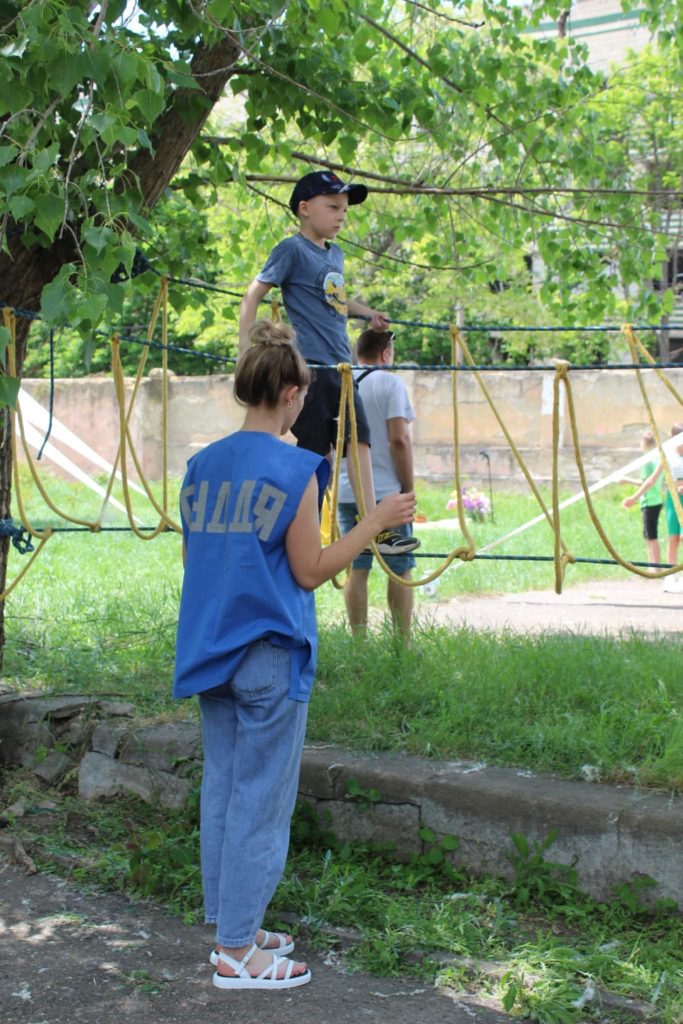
(268, 978)
(282, 949)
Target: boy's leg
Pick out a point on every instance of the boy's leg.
(651, 515)
(356, 598)
(366, 482)
(356, 586)
(400, 600)
(654, 553)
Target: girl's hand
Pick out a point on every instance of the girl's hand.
(395, 510)
(628, 502)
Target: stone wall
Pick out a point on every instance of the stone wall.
(609, 410)
(612, 834)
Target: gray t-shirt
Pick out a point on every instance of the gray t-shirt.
(384, 398)
(312, 283)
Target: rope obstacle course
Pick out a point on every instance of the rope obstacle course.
(461, 361)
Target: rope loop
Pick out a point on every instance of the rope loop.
(562, 368)
(20, 536)
(275, 311)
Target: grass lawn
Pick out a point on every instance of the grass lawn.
(97, 613)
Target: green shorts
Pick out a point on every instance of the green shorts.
(673, 527)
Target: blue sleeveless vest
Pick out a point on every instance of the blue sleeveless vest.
(239, 496)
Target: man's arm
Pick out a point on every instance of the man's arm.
(248, 309)
(378, 321)
(401, 447)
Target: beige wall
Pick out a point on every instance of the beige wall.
(609, 409)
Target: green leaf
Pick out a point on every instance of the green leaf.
(56, 301)
(7, 153)
(98, 237)
(328, 21)
(9, 389)
(49, 213)
(149, 103)
(13, 178)
(89, 309)
(145, 141)
(20, 206)
(65, 72)
(125, 68)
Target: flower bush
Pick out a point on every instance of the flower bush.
(475, 504)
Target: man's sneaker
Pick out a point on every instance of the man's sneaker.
(389, 542)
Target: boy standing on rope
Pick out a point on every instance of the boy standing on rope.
(390, 414)
(309, 270)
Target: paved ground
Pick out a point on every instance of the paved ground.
(67, 957)
(610, 606)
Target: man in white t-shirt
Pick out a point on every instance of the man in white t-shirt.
(389, 415)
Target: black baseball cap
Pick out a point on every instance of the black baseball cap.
(325, 183)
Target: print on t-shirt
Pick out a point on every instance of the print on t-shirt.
(331, 286)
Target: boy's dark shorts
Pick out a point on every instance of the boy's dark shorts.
(316, 425)
(650, 521)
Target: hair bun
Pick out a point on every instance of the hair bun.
(270, 333)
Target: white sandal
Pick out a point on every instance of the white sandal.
(266, 979)
(282, 949)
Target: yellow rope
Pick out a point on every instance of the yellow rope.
(161, 305)
(18, 420)
(275, 310)
(624, 563)
(42, 535)
(508, 437)
(161, 301)
(17, 579)
(466, 552)
(637, 349)
(119, 386)
(561, 557)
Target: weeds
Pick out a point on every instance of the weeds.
(539, 947)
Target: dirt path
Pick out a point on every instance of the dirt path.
(68, 957)
(608, 606)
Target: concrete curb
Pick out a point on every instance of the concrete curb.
(611, 834)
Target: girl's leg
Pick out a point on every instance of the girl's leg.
(219, 722)
(672, 548)
(653, 551)
(268, 741)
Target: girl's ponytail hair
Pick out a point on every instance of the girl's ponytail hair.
(269, 365)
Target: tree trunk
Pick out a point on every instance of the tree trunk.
(24, 272)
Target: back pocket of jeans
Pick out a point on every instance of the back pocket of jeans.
(263, 668)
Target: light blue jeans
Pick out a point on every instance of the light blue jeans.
(253, 735)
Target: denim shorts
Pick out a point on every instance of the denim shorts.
(400, 564)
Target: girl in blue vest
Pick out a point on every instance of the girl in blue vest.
(247, 642)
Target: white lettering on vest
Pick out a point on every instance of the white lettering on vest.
(241, 521)
(219, 519)
(194, 514)
(266, 510)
